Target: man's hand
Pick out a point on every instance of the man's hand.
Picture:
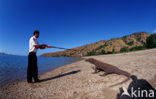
(43, 45)
(48, 46)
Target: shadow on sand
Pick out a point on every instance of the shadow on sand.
(58, 76)
(138, 89)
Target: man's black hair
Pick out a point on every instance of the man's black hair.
(36, 32)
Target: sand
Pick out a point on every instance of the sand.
(77, 81)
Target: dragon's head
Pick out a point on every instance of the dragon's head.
(89, 60)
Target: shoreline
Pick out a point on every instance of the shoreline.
(75, 80)
(24, 79)
(60, 66)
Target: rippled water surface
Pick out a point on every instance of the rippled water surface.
(13, 68)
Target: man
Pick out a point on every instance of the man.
(32, 70)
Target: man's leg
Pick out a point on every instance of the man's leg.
(29, 76)
(35, 73)
(29, 69)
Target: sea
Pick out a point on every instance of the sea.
(14, 68)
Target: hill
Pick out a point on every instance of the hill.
(1, 53)
(104, 46)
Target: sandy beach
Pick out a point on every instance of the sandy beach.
(77, 81)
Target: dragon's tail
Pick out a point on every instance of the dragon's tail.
(120, 82)
(127, 75)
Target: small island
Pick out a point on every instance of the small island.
(2, 53)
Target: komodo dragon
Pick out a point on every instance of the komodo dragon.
(108, 69)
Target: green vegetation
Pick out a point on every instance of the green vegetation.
(124, 49)
(102, 46)
(113, 52)
(91, 53)
(65, 55)
(130, 43)
(138, 48)
(151, 41)
(102, 52)
(109, 52)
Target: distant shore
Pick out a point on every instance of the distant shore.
(76, 80)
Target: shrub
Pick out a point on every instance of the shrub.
(138, 48)
(109, 52)
(130, 43)
(151, 41)
(102, 52)
(101, 46)
(113, 51)
(124, 49)
(91, 53)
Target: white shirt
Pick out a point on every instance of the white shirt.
(33, 41)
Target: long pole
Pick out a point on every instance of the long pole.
(68, 49)
(61, 48)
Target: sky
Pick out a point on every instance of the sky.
(71, 23)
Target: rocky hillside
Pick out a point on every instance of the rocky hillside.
(104, 46)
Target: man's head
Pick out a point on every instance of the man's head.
(36, 33)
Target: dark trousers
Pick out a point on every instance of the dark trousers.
(32, 70)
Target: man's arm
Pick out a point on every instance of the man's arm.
(42, 46)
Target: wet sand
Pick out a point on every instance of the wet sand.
(77, 81)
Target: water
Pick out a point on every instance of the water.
(14, 68)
